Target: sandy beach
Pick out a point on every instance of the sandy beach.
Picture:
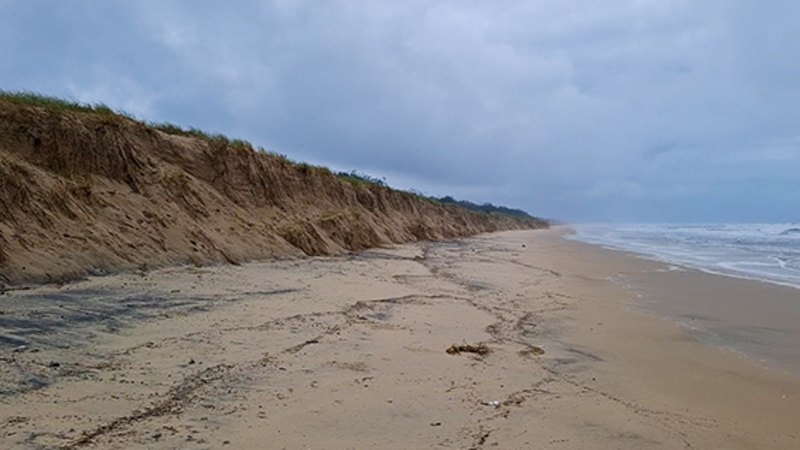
(577, 347)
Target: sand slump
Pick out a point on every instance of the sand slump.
(90, 193)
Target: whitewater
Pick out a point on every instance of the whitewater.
(766, 252)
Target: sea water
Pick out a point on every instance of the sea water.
(767, 252)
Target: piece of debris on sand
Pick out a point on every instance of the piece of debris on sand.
(480, 349)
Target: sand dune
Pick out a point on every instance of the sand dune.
(87, 192)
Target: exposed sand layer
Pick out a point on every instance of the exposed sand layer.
(352, 352)
(89, 193)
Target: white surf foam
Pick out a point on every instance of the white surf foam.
(765, 252)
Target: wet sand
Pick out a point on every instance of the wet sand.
(351, 352)
(759, 320)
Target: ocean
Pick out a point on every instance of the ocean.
(766, 252)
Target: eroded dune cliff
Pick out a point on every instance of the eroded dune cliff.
(88, 191)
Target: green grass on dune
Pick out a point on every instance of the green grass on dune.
(58, 104)
(55, 104)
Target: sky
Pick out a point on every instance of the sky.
(579, 110)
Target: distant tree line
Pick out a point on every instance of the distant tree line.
(356, 177)
(486, 207)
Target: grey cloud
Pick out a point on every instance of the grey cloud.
(578, 109)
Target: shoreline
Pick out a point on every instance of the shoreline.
(681, 264)
(723, 314)
(351, 352)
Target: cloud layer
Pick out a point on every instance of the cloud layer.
(578, 109)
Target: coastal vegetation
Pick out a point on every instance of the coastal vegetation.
(60, 105)
(485, 207)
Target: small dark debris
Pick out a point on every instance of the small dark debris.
(480, 349)
(54, 364)
(436, 424)
(191, 361)
(299, 347)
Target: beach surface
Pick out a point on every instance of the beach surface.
(552, 344)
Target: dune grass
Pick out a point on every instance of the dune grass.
(55, 104)
(59, 104)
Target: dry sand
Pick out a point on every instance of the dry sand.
(351, 352)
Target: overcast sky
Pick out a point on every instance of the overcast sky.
(629, 110)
